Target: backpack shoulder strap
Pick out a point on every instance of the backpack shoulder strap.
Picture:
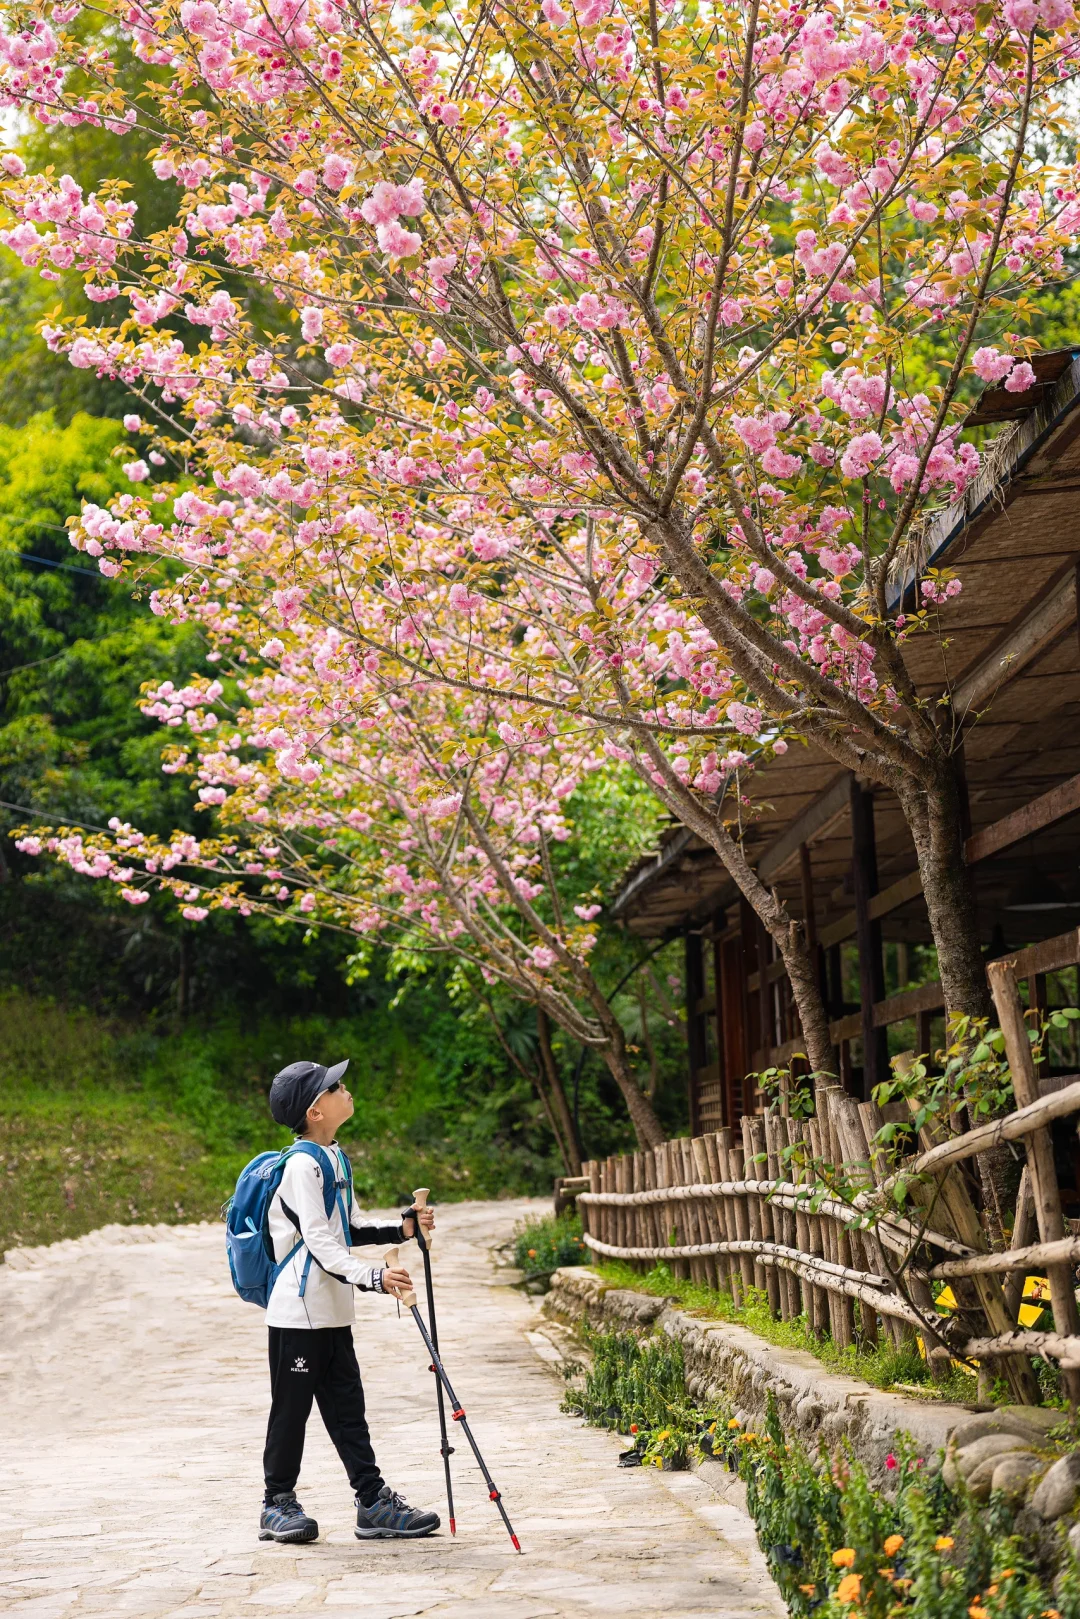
(329, 1174)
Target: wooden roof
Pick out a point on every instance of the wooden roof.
(1009, 648)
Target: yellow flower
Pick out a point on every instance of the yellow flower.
(893, 1544)
(944, 1543)
(665, 1433)
(844, 1557)
(734, 1423)
(849, 1588)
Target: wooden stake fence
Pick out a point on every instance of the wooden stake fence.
(742, 1208)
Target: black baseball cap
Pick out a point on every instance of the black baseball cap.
(295, 1088)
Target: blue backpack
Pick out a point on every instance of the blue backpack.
(252, 1264)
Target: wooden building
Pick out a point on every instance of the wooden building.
(838, 850)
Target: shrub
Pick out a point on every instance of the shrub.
(543, 1246)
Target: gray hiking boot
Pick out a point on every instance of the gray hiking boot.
(389, 1517)
(286, 1520)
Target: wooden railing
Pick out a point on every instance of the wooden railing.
(756, 1207)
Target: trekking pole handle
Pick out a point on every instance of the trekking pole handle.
(420, 1197)
(392, 1261)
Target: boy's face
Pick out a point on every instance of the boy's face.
(333, 1107)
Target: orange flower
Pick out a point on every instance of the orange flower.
(849, 1588)
(893, 1544)
(532, 1253)
(844, 1557)
(976, 1612)
(944, 1543)
(808, 1590)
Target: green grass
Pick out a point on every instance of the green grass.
(111, 1121)
(882, 1365)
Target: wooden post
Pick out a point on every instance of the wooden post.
(865, 1246)
(775, 1141)
(708, 1224)
(868, 935)
(808, 1226)
(955, 1210)
(588, 1210)
(695, 1022)
(1040, 1156)
(824, 1231)
(733, 1023)
(741, 1205)
(621, 1211)
(1023, 1232)
(765, 994)
(726, 1209)
(844, 1314)
(766, 1227)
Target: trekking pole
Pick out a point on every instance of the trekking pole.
(420, 1197)
(457, 1410)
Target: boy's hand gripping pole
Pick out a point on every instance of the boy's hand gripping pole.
(457, 1410)
(423, 1239)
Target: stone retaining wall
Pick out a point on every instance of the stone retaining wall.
(725, 1361)
(1006, 1449)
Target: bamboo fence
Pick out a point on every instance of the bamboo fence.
(732, 1210)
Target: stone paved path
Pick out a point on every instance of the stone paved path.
(133, 1396)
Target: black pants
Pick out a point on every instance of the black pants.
(316, 1363)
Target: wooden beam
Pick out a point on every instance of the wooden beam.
(890, 899)
(1025, 638)
(927, 998)
(1060, 801)
(827, 807)
(868, 933)
(695, 985)
(1048, 956)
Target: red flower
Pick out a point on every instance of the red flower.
(890, 1461)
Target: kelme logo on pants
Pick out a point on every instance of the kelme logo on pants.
(299, 1364)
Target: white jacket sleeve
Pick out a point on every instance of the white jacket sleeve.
(301, 1194)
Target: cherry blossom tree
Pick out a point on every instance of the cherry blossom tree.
(389, 808)
(571, 304)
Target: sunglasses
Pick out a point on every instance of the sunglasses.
(336, 1086)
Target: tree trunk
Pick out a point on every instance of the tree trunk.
(535, 1079)
(647, 1126)
(806, 988)
(555, 1084)
(936, 822)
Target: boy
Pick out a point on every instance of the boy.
(310, 1315)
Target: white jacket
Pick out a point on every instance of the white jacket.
(298, 1210)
